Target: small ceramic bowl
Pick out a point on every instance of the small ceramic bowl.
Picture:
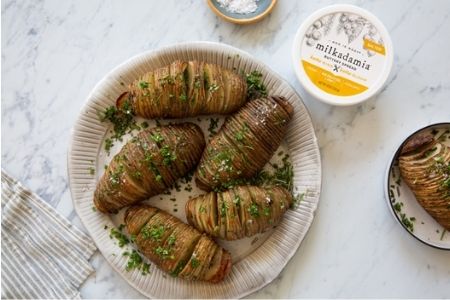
(403, 204)
(264, 8)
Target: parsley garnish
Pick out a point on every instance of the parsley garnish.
(213, 124)
(135, 261)
(157, 138)
(171, 240)
(119, 236)
(223, 209)
(155, 233)
(255, 87)
(168, 155)
(195, 262)
(122, 120)
(91, 170)
(114, 177)
(164, 253)
(213, 87)
(254, 210)
(143, 84)
(237, 200)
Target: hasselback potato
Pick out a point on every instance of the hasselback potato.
(244, 143)
(175, 247)
(239, 212)
(149, 164)
(425, 166)
(186, 89)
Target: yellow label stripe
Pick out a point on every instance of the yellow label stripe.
(371, 45)
(331, 83)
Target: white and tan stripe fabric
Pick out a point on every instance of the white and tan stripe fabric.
(43, 255)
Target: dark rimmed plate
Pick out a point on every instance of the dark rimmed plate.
(403, 204)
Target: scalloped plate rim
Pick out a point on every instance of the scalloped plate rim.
(216, 47)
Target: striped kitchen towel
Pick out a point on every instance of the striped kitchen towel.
(43, 255)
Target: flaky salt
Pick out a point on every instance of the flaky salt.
(239, 6)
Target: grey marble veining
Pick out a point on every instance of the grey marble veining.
(54, 52)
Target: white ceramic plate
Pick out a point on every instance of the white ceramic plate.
(404, 206)
(257, 261)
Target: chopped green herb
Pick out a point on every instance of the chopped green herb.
(119, 236)
(202, 209)
(144, 124)
(282, 175)
(154, 233)
(135, 261)
(167, 80)
(94, 208)
(429, 152)
(223, 209)
(143, 84)
(137, 175)
(407, 222)
(239, 136)
(108, 145)
(255, 87)
(168, 155)
(132, 238)
(183, 97)
(145, 268)
(213, 124)
(91, 170)
(178, 268)
(157, 138)
(195, 262)
(114, 177)
(171, 240)
(163, 252)
(266, 211)
(213, 87)
(254, 210)
(237, 200)
(298, 199)
(197, 83)
(122, 120)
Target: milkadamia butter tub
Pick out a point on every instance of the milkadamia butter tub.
(342, 55)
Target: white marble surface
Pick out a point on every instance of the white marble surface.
(54, 52)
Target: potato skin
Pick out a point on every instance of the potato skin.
(425, 167)
(185, 89)
(175, 247)
(244, 144)
(239, 212)
(149, 164)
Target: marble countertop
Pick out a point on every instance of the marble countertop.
(54, 52)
